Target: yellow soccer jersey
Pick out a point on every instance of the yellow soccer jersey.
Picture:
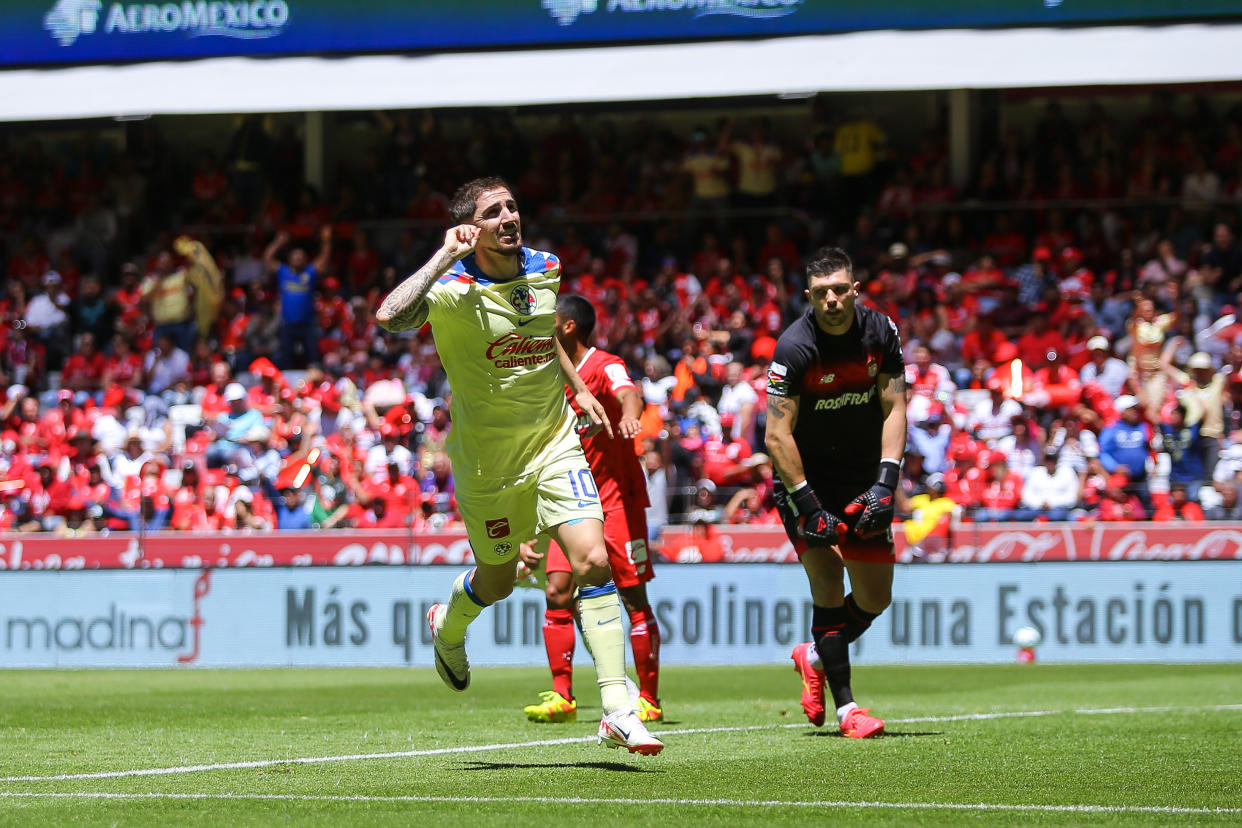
(497, 343)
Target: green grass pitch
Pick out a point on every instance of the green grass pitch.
(1104, 744)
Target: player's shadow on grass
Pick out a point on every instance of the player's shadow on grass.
(888, 734)
(479, 764)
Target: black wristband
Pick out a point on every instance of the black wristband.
(804, 501)
(890, 474)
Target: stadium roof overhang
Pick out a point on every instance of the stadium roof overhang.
(863, 61)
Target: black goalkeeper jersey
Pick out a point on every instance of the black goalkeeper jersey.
(834, 376)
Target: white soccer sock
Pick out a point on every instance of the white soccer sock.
(462, 608)
(600, 612)
(844, 710)
(817, 663)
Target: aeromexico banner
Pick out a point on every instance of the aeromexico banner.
(708, 613)
(96, 31)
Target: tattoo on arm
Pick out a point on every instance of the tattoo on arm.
(778, 407)
(405, 306)
(896, 385)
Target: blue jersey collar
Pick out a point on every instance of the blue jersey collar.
(471, 266)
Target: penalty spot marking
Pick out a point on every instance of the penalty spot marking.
(466, 749)
(551, 800)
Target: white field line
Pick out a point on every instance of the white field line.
(553, 800)
(466, 749)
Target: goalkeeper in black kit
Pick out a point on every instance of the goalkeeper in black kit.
(836, 431)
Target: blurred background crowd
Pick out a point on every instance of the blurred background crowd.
(188, 340)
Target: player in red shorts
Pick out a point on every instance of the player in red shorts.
(623, 495)
(836, 432)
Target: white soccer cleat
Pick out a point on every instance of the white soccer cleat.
(451, 661)
(622, 728)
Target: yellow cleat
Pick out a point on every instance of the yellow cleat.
(553, 708)
(648, 712)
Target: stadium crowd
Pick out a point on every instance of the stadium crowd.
(1066, 359)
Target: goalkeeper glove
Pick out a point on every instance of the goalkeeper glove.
(818, 526)
(873, 509)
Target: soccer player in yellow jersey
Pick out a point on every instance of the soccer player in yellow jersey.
(517, 460)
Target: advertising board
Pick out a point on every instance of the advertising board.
(58, 32)
(708, 614)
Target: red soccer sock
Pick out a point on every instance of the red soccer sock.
(558, 637)
(645, 641)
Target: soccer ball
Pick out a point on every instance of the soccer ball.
(1026, 637)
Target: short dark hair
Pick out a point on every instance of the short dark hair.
(461, 208)
(828, 260)
(575, 307)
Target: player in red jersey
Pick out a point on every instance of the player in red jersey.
(623, 494)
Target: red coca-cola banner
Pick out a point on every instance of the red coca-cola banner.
(987, 543)
(965, 543)
(169, 550)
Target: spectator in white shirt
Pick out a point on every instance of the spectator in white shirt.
(166, 365)
(992, 418)
(1104, 368)
(1051, 490)
(657, 493)
(388, 450)
(738, 398)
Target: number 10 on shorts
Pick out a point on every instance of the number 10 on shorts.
(583, 484)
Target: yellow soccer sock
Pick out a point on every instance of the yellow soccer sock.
(463, 607)
(600, 611)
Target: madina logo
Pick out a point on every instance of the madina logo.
(566, 12)
(70, 18)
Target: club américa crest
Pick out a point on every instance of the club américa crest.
(523, 300)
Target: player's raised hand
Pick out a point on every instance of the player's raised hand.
(591, 407)
(459, 241)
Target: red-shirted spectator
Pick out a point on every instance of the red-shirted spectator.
(1117, 503)
(985, 279)
(232, 326)
(1002, 492)
(28, 265)
(958, 311)
(377, 515)
(1178, 506)
(84, 370)
(725, 458)
(981, 343)
(777, 246)
(264, 396)
(362, 266)
(926, 378)
(575, 256)
(209, 183)
(401, 492)
(212, 404)
(1005, 242)
(964, 482)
